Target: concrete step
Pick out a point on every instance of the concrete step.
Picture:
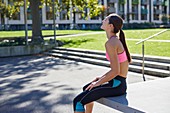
(100, 55)
(81, 50)
(151, 64)
(152, 58)
(80, 59)
(81, 54)
(138, 69)
(134, 56)
(150, 71)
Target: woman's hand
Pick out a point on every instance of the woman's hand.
(96, 79)
(92, 85)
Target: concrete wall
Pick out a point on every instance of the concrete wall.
(23, 50)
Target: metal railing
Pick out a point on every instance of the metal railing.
(143, 49)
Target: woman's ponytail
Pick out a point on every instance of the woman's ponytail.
(122, 39)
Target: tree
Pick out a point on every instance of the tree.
(9, 10)
(36, 5)
(36, 22)
(164, 19)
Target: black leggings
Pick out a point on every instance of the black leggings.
(114, 87)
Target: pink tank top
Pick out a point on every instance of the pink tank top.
(122, 57)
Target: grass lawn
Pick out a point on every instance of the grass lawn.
(12, 34)
(96, 42)
(136, 34)
(141, 34)
(151, 48)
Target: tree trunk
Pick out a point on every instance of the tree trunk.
(37, 37)
(2, 21)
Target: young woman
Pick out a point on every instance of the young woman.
(113, 83)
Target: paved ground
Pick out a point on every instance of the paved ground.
(41, 84)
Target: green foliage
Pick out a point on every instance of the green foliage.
(10, 9)
(2, 7)
(122, 1)
(94, 7)
(135, 2)
(164, 19)
(77, 5)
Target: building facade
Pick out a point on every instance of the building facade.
(132, 11)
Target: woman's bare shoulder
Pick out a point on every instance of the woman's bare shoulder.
(112, 43)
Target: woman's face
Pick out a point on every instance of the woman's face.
(105, 24)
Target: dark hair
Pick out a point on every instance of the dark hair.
(117, 22)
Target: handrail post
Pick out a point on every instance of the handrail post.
(143, 58)
(54, 21)
(25, 21)
(142, 41)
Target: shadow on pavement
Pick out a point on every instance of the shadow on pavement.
(23, 65)
(19, 94)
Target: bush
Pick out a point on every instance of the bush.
(140, 25)
(12, 42)
(164, 19)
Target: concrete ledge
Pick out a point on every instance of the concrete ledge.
(23, 50)
(86, 58)
(119, 103)
(144, 97)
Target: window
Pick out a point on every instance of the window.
(63, 15)
(144, 12)
(29, 16)
(121, 10)
(81, 17)
(49, 14)
(134, 12)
